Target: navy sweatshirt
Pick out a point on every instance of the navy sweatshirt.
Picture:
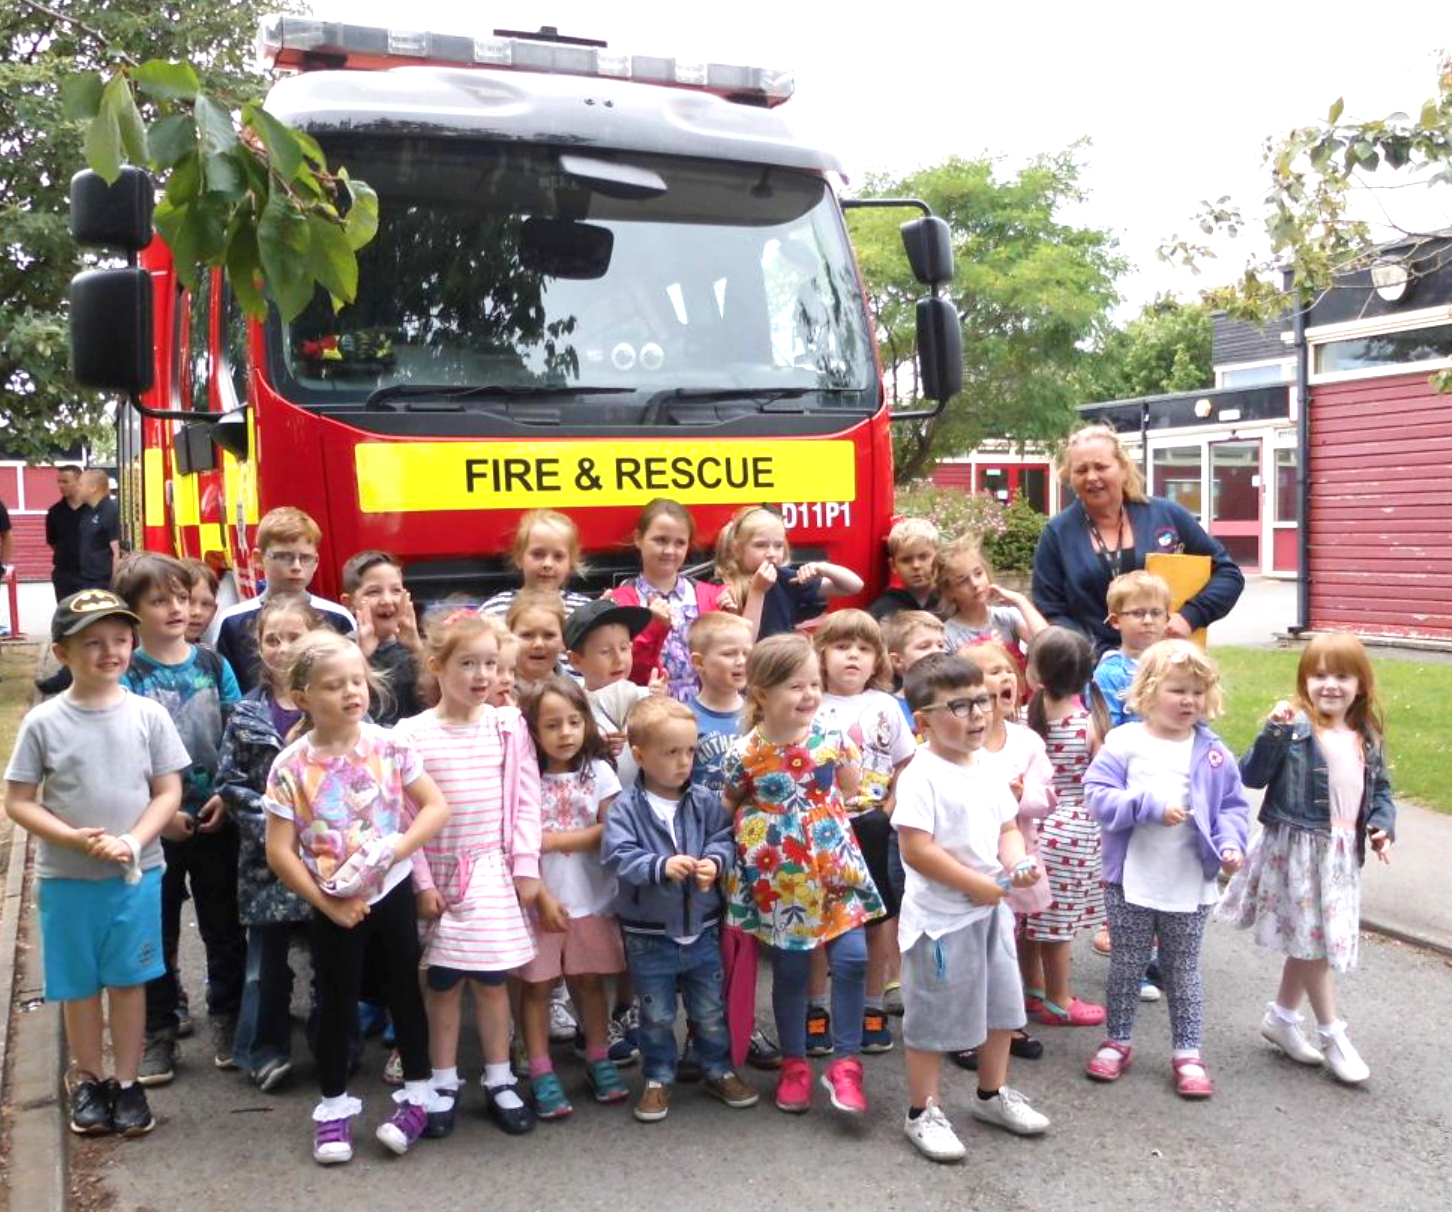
(1071, 579)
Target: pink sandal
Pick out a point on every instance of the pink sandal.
(1109, 1069)
(1076, 1014)
(1189, 1085)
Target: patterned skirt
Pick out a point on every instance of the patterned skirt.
(1300, 890)
(1069, 855)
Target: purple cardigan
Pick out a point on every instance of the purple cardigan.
(1218, 806)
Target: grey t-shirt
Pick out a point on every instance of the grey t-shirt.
(94, 767)
(1002, 626)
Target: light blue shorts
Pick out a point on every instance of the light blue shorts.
(99, 934)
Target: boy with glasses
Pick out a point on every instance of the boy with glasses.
(1139, 609)
(287, 556)
(958, 827)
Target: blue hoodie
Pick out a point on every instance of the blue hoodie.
(636, 846)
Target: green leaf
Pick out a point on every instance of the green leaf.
(164, 81)
(244, 268)
(1336, 107)
(117, 99)
(103, 144)
(223, 175)
(185, 181)
(81, 96)
(361, 224)
(311, 149)
(215, 131)
(282, 248)
(331, 260)
(282, 145)
(171, 138)
(1431, 117)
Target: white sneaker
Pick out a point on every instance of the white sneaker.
(562, 1022)
(1288, 1038)
(933, 1135)
(1343, 1059)
(1010, 1109)
(1148, 991)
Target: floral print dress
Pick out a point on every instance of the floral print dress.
(800, 879)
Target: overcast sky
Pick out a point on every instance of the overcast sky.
(1177, 99)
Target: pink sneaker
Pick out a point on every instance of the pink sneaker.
(843, 1081)
(794, 1086)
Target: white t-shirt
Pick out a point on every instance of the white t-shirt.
(665, 811)
(577, 878)
(965, 809)
(1162, 867)
(874, 722)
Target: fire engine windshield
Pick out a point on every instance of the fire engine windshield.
(533, 269)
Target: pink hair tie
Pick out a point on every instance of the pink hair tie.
(454, 616)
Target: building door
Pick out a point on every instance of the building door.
(1235, 499)
(1004, 481)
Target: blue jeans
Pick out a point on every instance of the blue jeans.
(847, 958)
(264, 1026)
(661, 969)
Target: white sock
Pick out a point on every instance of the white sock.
(337, 1107)
(500, 1081)
(127, 1085)
(446, 1081)
(1190, 1054)
(1331, 1030)
(1286, 1016)
(1106, 1053)
(419, 1093)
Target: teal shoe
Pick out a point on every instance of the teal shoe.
(549, 1097)
(605, 1083)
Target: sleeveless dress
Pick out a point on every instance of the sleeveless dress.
(1069, 840)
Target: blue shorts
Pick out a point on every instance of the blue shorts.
(99, 934)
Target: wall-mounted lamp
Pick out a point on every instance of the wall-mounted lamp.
(1204, 407)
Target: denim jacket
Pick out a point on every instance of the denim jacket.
(1289, 764)
(636, 846)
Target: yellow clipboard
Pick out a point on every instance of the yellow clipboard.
(1186, 575)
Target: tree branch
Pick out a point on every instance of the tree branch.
(44, 10)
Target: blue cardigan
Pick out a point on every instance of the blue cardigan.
(1070, 578)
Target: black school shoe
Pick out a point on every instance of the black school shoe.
(515, 1121)
(130, 1114)
(91, 1103)
(1023, 1046)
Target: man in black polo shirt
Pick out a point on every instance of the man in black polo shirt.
(63, 532)
(100, 531)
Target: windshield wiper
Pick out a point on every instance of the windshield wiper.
(449, 391)
(764, 397)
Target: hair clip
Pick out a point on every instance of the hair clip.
(455, 616)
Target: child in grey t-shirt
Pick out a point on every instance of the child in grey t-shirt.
(95, 775)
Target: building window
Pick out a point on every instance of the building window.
(1288, 497)
(1177, 476)
(1253, 376)
(1385, 349)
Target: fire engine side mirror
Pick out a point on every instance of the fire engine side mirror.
(929, 245)
(229, 431)
(112, 216)
(940, 349)
(111, 338)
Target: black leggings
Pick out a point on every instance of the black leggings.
(390, 931)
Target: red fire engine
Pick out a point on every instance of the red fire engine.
(598, 278)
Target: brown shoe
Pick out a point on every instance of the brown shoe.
(655, 1103)
(731, 1090)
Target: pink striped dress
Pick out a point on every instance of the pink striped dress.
(483, 928)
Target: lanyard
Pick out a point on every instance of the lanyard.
(1113, 560)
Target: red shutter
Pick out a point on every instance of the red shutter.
(1381, 508)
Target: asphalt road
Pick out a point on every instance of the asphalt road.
(1275, 1136)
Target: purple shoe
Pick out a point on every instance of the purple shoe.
(403, 1127)
(332, 1142)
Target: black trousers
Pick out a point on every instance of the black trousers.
(208, 863)
(390, 934)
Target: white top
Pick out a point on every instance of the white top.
(577, 878)
(965, 809)
(874, 722)
(665, 811)
(610, 705)
(1345, 773)
(1162, 866)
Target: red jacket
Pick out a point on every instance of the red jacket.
(647, 645)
